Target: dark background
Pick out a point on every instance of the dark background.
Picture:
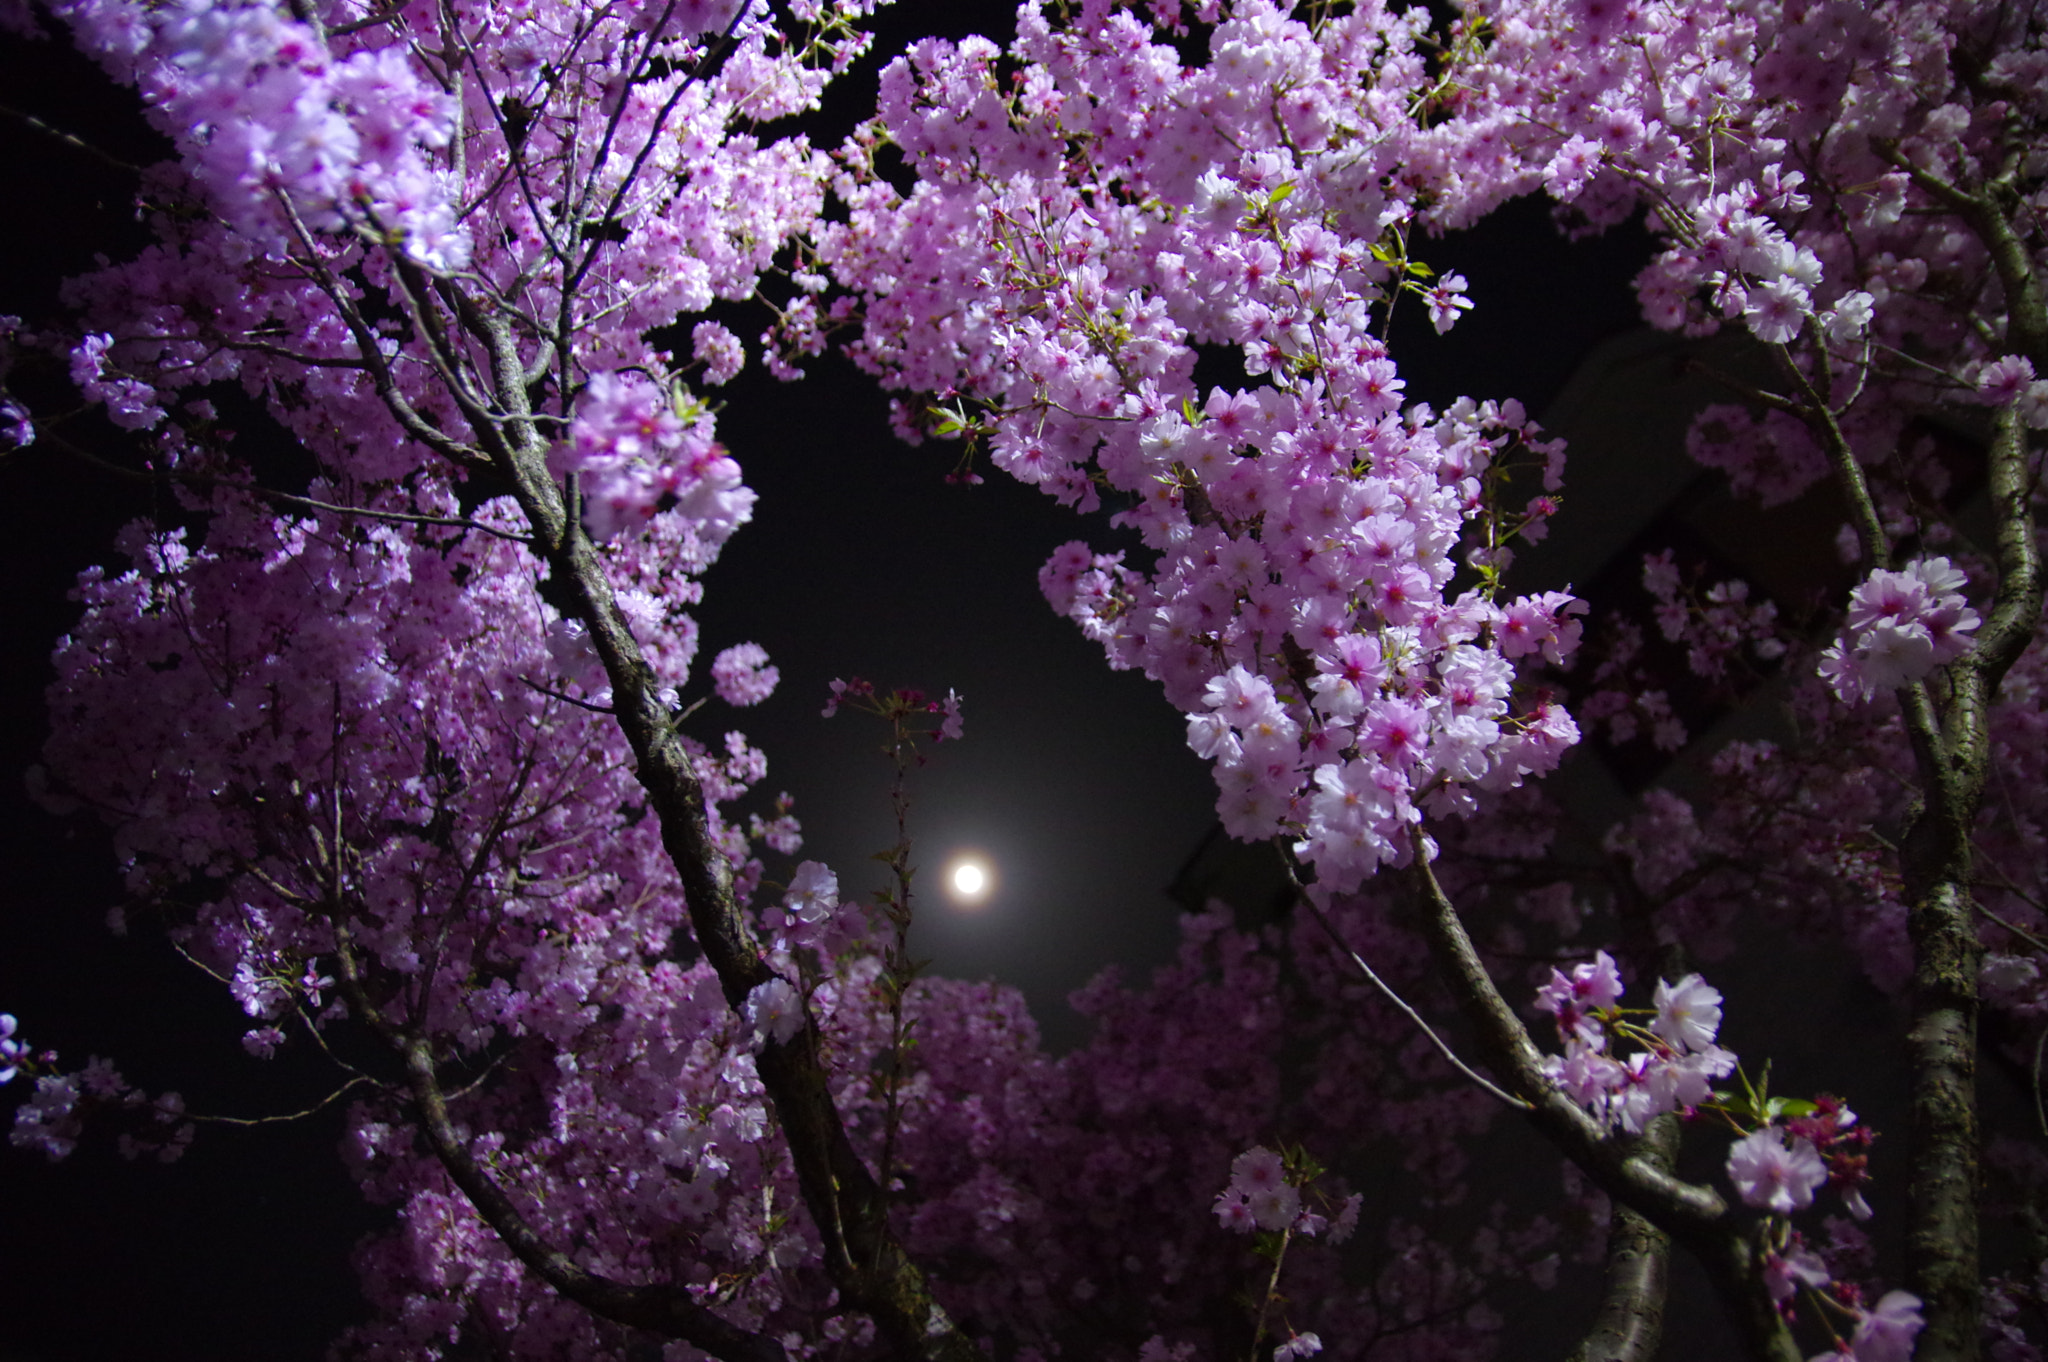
(861, 561)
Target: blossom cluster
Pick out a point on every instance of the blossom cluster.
(743, 675)
(130, 403)
(2009, 381)
(48, 1121)
(1901, 626)
(1802, 166)
(284, 135)
(505, 882)
(1674, 1070)
(1794, 1150)
(1302, 606)
(1695, 109)
(899, 704)
(639, 451)
(1260, 1196)
(54, 1117)
(1306, 1344)
(1883, 1333)
(1776, 1167)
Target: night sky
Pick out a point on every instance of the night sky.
(861, 561)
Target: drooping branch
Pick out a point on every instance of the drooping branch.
(180, 477)
(665, 1310)
(1386, 990)
(661, 1309)
(70, 141)
(1693, 1215)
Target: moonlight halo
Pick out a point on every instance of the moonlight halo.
(969, 879)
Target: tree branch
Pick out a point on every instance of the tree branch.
(163, 477)
(1630, 1322)
(862, 1254)
(69, 140)
(665, 1310)
(282, 1118)
(1330, 930)
(1820, 419)
(1936, 853)
(1693, 1215)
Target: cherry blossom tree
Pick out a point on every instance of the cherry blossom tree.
(407, 757)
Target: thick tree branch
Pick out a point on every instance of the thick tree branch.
(1936, 862)
(862, 1254)
(1953, 753)
(1630, 1322)
(1942, 1242)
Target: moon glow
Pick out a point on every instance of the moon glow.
(969, 880)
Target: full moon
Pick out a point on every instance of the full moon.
(969, 880)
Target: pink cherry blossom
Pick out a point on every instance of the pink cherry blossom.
(774, 1011)
(1902, 625)
(813, 892)
(1688, 1013)
(1774, 1175)
(742, 674)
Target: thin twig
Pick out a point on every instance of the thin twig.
(553, 694)
(70, 140)
(2020, 932)
(208, 482)
(1396, 999)
(329, 1100)
(1272, 1290)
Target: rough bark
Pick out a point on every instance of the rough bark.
(1629, 1324)
(1952, 751)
